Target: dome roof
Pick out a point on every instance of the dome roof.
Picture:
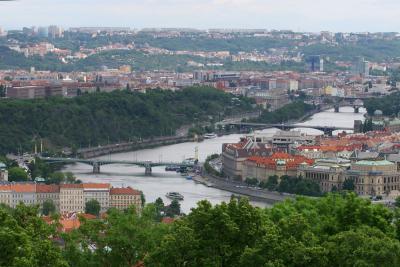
(378, 112)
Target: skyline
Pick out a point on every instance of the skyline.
(302, 15)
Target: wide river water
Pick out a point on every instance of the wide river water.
(162, 182)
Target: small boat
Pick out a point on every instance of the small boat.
(210, 136)
(189, 177)
(174, 196)
(189, 161)
(172, 168)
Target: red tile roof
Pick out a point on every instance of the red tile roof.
(43, 188)
(97, 186)
(72, 186)
(23, 188)
(5, 187)
(271, 162)
(124, 191)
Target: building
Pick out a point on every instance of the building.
(360, 67)
(26, 92)
(123, 198)
(328, 173)
(371, 177)
(3, 172)
(48, 192)
(99, 192)
(315, 63)
(278, 164)
(234, 155)
(55, 32)
(72, 198)
(43, 32)
(323, 152)
(23, 193)
(283, 139)
(5, 194)
(374, 178)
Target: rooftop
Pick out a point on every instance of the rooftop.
(374, 163)
(124, 191)
(43, 188)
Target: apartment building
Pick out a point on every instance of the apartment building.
(48, 192)
(5, 194)
(23, 193)
(72, 198)
(99, 192)
(123, 198)
(69, 198)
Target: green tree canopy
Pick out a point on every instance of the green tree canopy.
(16, 174)
(93, 207)
(48, 207)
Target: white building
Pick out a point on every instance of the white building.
(99, 192)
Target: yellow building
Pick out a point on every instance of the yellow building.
(72, 198)
(123, 198)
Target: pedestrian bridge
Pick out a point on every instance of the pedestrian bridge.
(96, 163)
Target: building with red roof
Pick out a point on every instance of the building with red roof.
(123, 198)
(278, 164)
(48, 192)
(235, 154)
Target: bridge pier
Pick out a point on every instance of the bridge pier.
(336, 108)
(148, 170)
(328, 132)
(96, 167)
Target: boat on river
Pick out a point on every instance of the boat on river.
(174, 196)
(210, 136)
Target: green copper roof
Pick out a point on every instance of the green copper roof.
(374, 163)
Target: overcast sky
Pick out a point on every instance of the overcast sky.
(298, 15)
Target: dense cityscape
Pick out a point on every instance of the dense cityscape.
(185, 146)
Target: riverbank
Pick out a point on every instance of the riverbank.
(133, 146)
(241, 189)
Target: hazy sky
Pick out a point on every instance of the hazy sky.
(299, 15)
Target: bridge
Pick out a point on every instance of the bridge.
(355, 103)
(96, 163)
(328, 130)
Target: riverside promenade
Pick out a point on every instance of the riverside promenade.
(256, 194)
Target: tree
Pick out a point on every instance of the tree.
(25, 239)
(92, 207)
(142, 198)
(272, 182)
(48, 207)
(174, 209)
(251, 181)
(2, 90)
(57, 178)
(16, 174)
(210, 236)
(70, 177)
(397, 202)
(348, 185)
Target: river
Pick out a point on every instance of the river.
(162, 182)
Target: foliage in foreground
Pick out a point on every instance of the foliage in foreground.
(336, 230)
